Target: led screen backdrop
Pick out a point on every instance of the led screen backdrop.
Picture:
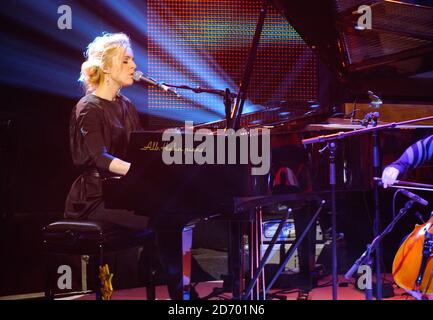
(206, 44)
(182, 42)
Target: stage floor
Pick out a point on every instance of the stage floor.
(205, 289)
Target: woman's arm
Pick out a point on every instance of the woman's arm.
(91, 127)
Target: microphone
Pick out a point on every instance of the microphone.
(414, 197)
(140, 77)
(374, 100)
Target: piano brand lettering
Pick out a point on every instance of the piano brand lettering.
(154, 146)
(151, 146)
(240, 144)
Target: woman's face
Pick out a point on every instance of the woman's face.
(123, 67)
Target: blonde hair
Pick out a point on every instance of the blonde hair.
(98, 55)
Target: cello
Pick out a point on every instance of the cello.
(412, 267)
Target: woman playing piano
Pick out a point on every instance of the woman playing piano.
(100, 125)
(99, 128)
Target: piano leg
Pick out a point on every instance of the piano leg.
(255, 255)
(241, 229)
(236, 258)
(174, 243)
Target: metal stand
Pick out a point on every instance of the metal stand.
(246, 205)
(332, 147)
(376, 227)
(372, 118)
(226, 94)
(265, 257)
(365, 258)
(331, 140)
(293, 248)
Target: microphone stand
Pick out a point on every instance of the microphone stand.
(331, 146)
(376, 224)
(331, 140)
(200, 90)
(373, 117)
(365, 258)
(226, 94)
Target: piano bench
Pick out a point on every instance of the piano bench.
(83, 237)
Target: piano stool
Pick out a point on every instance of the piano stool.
(78, 237)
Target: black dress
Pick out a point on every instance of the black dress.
(99, 131)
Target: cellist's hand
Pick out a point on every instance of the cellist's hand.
(389, 176)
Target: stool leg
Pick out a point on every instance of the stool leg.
(150, 287)
(49, 271)
(150, 272)
(98, 262)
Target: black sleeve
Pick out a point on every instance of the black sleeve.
(91, 126)
(414, 156)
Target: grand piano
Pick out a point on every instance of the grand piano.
(394, 59)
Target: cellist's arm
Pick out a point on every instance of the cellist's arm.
(415, 155)
(412, 158)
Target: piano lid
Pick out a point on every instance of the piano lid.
(394, 58)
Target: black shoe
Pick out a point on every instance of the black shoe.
(174, 286)
(193, 294)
